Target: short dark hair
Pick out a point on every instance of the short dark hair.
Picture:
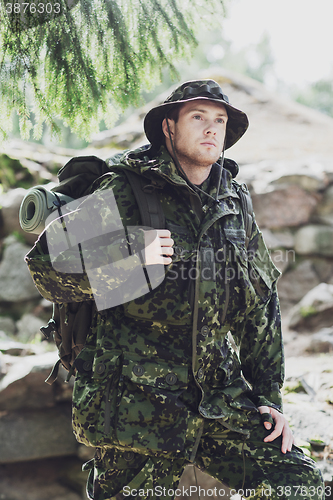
(173, 113)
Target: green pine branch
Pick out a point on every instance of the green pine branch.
(82, 61)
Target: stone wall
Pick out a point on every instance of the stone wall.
(293, 204)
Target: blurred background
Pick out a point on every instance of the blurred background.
(274, 61)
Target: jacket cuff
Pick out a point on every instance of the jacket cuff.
(266, 397)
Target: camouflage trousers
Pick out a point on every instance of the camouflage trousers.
(247, 465)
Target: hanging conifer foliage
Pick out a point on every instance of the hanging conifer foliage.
(86, 60)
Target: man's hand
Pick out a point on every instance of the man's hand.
(158, 247)
(281, 427)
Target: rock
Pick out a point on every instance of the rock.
(304, 421)
(120, 137)
(28, 326)
(39, 480)
(34, 435)
(306, 182)
(46, 304)
(316, 371)
(327, 472)
(10, 204)
(74, 477)
(44, 159)
(24, 387)
(324, 210)
(309, 415)
(278, 239)
(315, 310)
(279, 128)
(283, 207)
(309, 177)
(314, 239)
(11, 347)
(294, 284)
(3, 368)
(7, 325)
(15, 279)
(278, 257)
(283, 258)
(17, 309)
(321, 341)
(280, 244)
(323, 268)
(267, 174)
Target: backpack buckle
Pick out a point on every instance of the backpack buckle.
(49, 328)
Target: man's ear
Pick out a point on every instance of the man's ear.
(165, 127)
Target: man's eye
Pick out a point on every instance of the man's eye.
(197, 117)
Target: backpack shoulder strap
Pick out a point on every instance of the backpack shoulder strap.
(247, 209)
(145, 192)
(146, 195)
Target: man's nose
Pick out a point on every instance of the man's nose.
(211, 129)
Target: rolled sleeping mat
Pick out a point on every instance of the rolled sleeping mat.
(37, 205)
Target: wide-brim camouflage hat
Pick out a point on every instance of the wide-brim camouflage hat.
(196, 89)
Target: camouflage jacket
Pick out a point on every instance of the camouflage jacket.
(155, 367)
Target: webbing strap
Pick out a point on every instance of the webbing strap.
(247, 209)
(147, 199)
(54, 373)
(142, 476)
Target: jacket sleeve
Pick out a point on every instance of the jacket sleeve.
(87, 252)
(260, 337)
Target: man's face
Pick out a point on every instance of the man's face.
(198, 135)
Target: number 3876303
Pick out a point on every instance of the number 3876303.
(33, 8)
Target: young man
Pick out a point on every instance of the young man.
(159, 385)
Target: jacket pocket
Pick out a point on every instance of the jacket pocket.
(150, 414)
(229, 385)
(94, 395)
(262, 271)
(114, 472)
(255, 271)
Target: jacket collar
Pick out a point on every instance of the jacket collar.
(163, 166)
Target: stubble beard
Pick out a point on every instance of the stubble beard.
(200, 161)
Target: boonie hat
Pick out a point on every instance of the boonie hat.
(196, 89)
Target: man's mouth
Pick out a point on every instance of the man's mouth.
(209, 143)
